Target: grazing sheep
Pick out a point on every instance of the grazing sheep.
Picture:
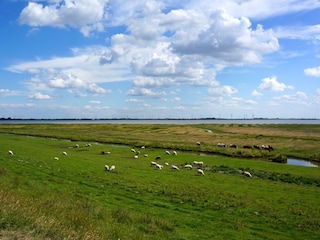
(64, 153)
(106, 168)
(56, 158)
(167, 164)
(77, 146)
(174, 167)
(10, 152)
(143, 147)
(189, 166)
(158, 157)
(153, 163)
(103, 153)
(136, 156)
(159, 166)
(247, 174)
(175, 153)
(198, 143)
(133, 150)
(197, 163)
(88, 145)
(112, 168)
(167, 152)
(221, 145)
(145, 155)
(200, 172)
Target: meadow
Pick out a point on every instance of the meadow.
(75, 198)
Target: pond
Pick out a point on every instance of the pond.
(300, 162)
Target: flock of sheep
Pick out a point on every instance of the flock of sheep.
(198, 165)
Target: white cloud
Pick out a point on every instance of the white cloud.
(223, 91)
(271, 84)
(86, 15)
(145, 92)
(313, 72)
(39, 96)
(298, 97)
(255, 93)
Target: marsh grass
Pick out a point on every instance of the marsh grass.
(74, 198)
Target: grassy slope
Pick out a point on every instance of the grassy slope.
(75, 198)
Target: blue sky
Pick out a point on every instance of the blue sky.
(160, 59)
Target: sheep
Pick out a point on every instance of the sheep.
(112, 168)
(10, 152)
(221, 145)
(145, 155)
(106, 168)
(174, 167)
(133, 150)
(197, 163)
(167, 152)
(189, 166)
(136, 156)
(56, 158)
(247, 174)
(198, 143)
(158, 158)
(64, 153)
(175, 153)
(200, 172)
(77, 146)
(88, 145)
(143, 147)
(167, 164)
(103, 152)
(159, 166)
(153, 163)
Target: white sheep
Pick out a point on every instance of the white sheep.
(88, 145)
(77, 146)
(112, 168)
(175, 153)
(153, 163)
(10, 152)
(136, 156)
(189, 166)
(200, 172)
(145, 155)
(133, 150)
(198, 143)
(197, 163)
(106, 167)
(64, 153)
(174, 167)
(159, 166)
(56, 158)
(167, 152)
(247, 174)
(166, 163)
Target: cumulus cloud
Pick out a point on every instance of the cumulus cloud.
(223, 91)
(272, 84)
(313, 72)
(86, 15)
(298, 97)
(255, 93)
(39, 96)
(145, 92)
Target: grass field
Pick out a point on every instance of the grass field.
(75, 198)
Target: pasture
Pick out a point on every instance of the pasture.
(75, 198)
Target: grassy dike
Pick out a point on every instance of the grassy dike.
(74, 198)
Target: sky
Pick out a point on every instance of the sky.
(159, 59)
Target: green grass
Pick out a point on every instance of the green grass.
(74, 198)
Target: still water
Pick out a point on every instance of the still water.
(299, 162)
